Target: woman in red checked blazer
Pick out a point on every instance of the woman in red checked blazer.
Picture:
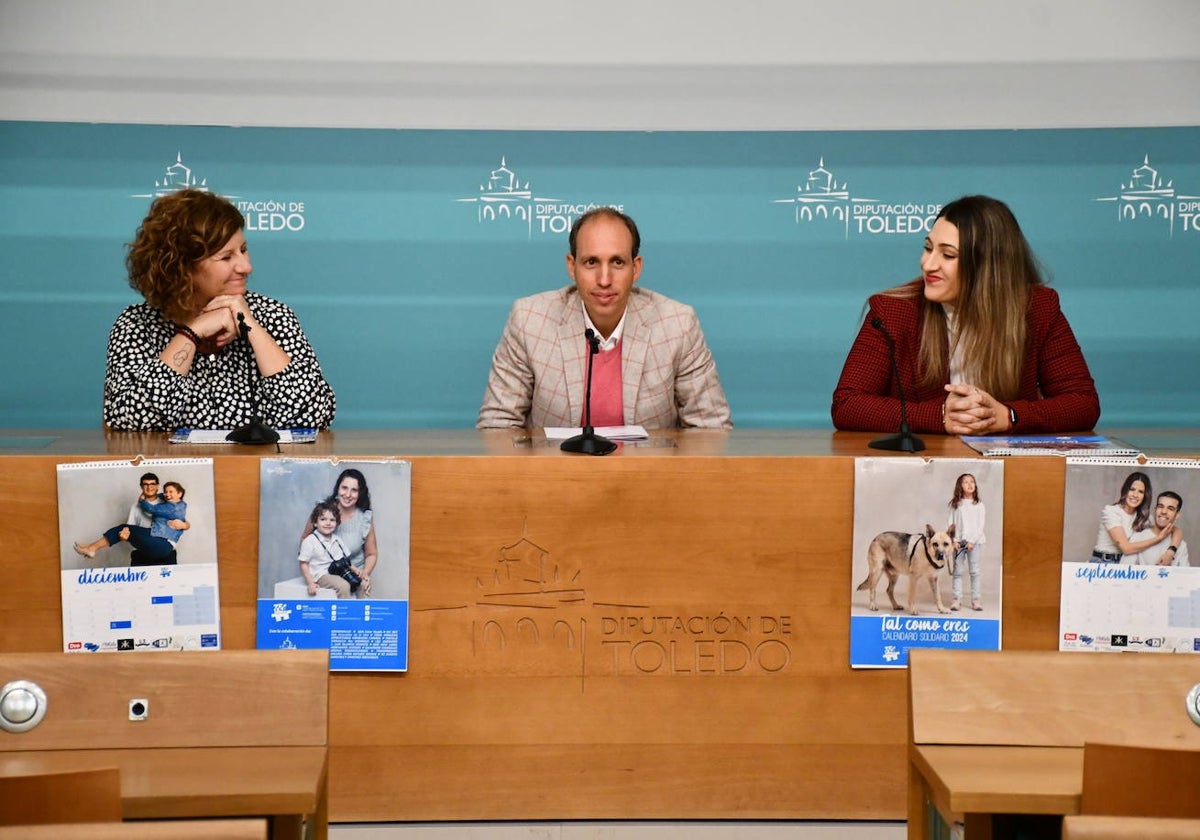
(981, 343)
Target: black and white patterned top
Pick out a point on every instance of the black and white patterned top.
(141, 393)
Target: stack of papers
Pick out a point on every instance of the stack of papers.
(1080, 446)
(222, 436)
(610, 432)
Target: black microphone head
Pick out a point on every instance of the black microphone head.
(589, 333)
(241, 318)
(877, 323)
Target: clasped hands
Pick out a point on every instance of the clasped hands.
(218, 320)
(972, 411)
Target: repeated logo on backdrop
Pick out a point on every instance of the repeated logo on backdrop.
(1146, 197)
(504, 198)
(272, 215)
(823, 200)
(176, 176)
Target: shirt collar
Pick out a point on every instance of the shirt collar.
(609, 343)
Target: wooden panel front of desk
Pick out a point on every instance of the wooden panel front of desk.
(600, 638)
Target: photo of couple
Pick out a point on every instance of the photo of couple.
(158, 513)
(1129, 582)
(1120, 511)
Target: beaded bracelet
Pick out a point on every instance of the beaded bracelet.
(188, 333)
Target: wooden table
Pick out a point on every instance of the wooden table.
(969, 784)
(285, 784)
(616, 706)
(1002, 732)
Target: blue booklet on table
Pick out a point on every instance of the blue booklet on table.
(1079, 446)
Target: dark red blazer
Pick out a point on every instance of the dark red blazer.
(1057, 393)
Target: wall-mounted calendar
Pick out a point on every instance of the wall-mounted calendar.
(138, 555)
(928, 557)
(1130, 580)
(333, 541)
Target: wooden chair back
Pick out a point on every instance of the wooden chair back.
(238, 829)
(76, 796)
(1089, 827)
(1050, 698)
(1121, 780)
(236, 698)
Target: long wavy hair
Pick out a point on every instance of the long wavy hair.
(996, 270)
(960, 495)
(1141, 516)
(181, 229)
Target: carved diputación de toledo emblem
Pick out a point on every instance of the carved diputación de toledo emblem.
(532, 613)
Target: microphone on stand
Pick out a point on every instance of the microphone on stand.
(255, 432)
(589, 443)
(904, 440)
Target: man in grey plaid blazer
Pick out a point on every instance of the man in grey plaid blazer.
(668, 377)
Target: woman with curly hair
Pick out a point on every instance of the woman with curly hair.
(179, 359)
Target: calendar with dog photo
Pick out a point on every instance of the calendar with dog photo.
(926, 569)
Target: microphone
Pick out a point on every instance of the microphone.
(904, 440)
(255, 432)
(589, 443)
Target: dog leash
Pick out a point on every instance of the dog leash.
(912, 553)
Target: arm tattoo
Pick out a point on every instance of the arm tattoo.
(181, 356)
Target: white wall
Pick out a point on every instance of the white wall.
(624, 64)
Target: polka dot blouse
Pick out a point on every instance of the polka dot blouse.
(141, 393)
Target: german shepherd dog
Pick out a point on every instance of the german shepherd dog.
(920, 556)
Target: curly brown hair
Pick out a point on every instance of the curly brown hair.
(180, 230)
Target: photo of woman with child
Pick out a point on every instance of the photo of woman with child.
(323, 533)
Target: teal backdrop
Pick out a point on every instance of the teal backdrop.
(401, 251)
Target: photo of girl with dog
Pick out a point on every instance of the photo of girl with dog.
(920, 525)
(909, 497)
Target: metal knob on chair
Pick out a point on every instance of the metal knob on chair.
(22, 706)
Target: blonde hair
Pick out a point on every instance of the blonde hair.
(996, 270)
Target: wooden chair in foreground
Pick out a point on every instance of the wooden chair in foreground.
(1088, 827)
(1003, 732)
(77, 796)
(1140, 781)
(241, 829)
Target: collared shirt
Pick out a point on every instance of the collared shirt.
(957, 372)
(609, 343)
